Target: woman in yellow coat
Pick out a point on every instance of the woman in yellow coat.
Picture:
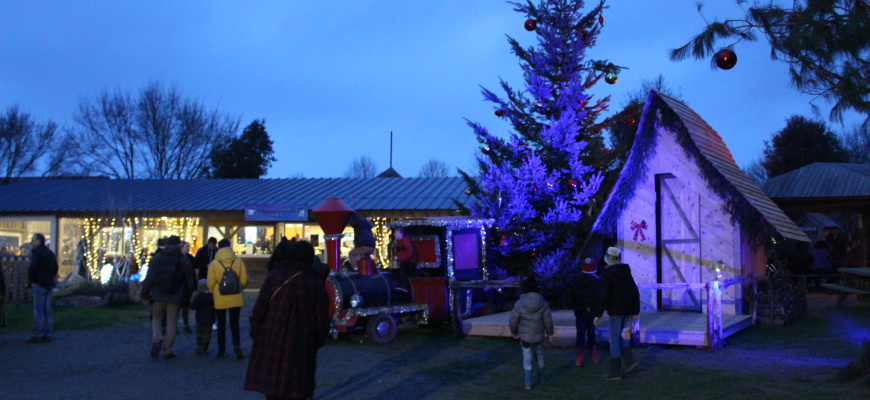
(224, 259)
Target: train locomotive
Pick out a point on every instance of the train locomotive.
(450, 250)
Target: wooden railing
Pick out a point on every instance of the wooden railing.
(713, 291)
(15, 275)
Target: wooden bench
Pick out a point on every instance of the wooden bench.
(844, 291)
(801, 279)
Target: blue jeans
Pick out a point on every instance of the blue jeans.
(533, 350)
(585, 329)
(42, 316)
(617, 343)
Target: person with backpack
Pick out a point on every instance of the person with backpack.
(169, 278)
(227, 278)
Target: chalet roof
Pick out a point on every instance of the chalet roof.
(86, 195)
(821, 180)
(744, 200)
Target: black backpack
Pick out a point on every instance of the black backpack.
(229, 283)
(169, 277)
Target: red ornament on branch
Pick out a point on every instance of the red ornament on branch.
(499, 113)
(530, 25)
(629, 120)
(572, 182)
(725, 59)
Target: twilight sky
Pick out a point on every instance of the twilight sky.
(333, 78)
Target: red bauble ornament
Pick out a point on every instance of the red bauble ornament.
(499, 113)
(503, 240)
(530, 25)
(584, 33)
(725, 59)
(601, 20)
(629, 120)
(535, 190)
(572, 182)
(534, 254)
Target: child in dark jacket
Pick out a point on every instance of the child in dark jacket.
(530, 320)
(583, 296)
(203, 303)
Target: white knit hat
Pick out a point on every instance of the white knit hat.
(613, 256)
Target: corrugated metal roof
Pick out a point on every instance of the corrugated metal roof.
(712, 147)
(821, 180)
(75, 195)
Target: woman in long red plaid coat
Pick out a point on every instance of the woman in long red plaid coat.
(289, 323)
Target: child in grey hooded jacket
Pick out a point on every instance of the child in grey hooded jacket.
(531, 322)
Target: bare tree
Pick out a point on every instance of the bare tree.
(756, 172)
(179, 134)
(110, 142)
(23, 143)
(159, 135)
(857, 144)
(362, 167)
(434, 169)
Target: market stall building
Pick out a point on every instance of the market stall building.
(92, 222)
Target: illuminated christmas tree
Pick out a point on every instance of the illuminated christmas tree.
(538, 184)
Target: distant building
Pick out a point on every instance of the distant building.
(108, 220)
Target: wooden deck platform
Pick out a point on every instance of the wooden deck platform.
(673, 328)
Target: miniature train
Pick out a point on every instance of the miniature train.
(451, 253)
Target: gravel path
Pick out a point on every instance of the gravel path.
(419, 364)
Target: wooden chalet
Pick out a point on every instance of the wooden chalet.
(691, 225)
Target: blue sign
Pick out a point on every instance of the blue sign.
(275, 212)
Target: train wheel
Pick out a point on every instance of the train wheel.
(381, 328)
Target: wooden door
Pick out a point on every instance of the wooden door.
(678, 247)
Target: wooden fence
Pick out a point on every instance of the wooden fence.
(15, 275)
(713, 291)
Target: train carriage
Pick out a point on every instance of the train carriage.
(451, 281)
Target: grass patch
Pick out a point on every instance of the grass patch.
(72, 319)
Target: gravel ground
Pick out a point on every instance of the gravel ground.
(114, 363)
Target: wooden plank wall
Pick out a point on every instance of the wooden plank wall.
(720, 240)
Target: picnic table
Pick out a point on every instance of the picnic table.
(852, 281)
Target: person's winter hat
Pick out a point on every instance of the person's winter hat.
(530, 285)
(202, 285)
(590, 266)
(301, 251)
(613, 256)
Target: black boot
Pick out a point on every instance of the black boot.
(199, 346)
(615, 369)
(628, 355)
(205, 348)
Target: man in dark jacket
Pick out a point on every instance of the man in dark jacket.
(204, 257)
(583, 298)
(169, 277)
(621, 299)
(42, 277)
(289, 323)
